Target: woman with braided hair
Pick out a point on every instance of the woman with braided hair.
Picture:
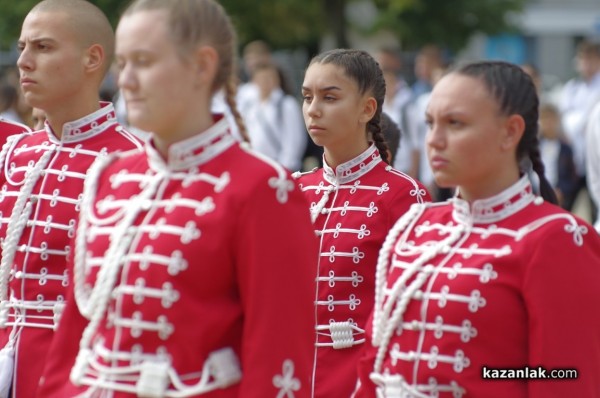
(493, 282)
(354, 199)
(193, 262)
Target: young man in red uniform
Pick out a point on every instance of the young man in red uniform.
(66, 48)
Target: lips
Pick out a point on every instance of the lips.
(25, 81)
(437, 162)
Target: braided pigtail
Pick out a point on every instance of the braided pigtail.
(374, 127)
(230, 89)
(546, 190)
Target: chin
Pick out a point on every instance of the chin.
(444, 182)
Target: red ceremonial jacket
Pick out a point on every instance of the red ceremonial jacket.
(8, 128)
(40, 196)
(193, 276)
(507, 283)
(353, 208)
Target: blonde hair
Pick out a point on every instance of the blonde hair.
(194, 22)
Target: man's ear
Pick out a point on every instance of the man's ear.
(206, 60)
(513, 131)
(94, 58)
(369, 109)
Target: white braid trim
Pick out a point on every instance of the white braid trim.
(18, 220)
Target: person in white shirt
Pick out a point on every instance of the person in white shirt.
(274, 120)
(593, 159)
(397, 99)
(579, 96)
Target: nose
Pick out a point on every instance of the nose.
(126, 79)
(312, 109)
(435, 137)
(25, 62)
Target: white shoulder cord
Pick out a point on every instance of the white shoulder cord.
(120, 241)
(18, 221)
(413, 214)
(79, 268)
(9, 144)
(7, 148)
(401, 294)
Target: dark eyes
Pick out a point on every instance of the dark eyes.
(309, 98)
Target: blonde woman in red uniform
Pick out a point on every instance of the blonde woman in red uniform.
(193, 272)
(496, 282)
(354, 199)
(66, 47)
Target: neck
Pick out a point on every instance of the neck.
(71, 110)
(339, 156)
(492, 185)
(164, 138)
(58, 121)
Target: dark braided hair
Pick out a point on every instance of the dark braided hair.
(365, 71)
(516, 94)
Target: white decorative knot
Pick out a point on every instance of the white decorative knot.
(341, 334)
(384, 188)
(286, 382)
(417, 192)
(283, 186)
(372, 209)
(578, 231)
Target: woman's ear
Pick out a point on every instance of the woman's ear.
(369, 109)
(514, 130)
(206, 61)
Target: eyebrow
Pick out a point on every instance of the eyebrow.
(35, 41)
(328, 88)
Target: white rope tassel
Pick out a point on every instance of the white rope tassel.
(7, 362)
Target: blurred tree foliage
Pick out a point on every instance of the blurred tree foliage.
(302, 23)
(449, 23)
(13, 12)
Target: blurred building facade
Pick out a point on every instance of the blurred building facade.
(550, 31)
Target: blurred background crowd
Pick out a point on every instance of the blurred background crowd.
(415, 41)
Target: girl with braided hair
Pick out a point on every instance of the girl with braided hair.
(193, 261)
(495, 278)
(354, 199)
